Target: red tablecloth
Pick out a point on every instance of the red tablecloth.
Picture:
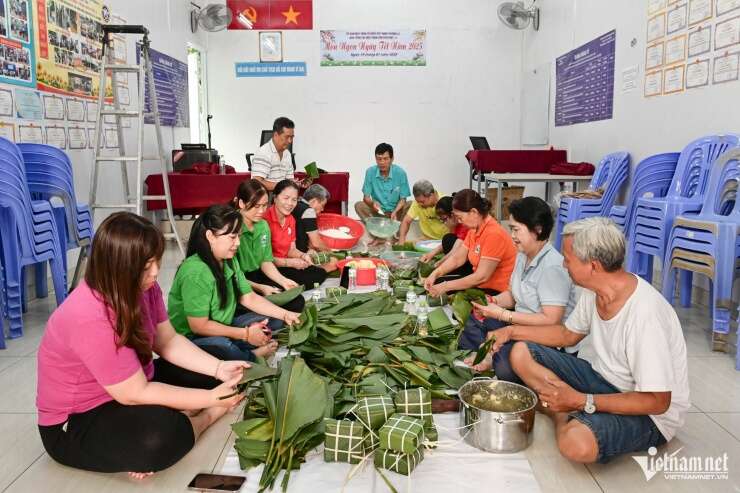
(526, 161)
(192, 194)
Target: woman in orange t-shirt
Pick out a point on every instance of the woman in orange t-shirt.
(486, 258)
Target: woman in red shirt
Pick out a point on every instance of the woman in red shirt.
(293, 263)
(488, 248)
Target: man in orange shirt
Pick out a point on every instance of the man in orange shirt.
(487, 257)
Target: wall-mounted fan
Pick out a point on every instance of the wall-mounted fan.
(213, 17)
(516, 16)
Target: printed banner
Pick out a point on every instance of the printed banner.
(339, 48)
(171, 85)
(17, 44)
(68, 46)
(277, 69)
(271, 14)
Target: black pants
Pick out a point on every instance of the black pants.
(259, 277)
(117, 438)
(448, 241)
(308, 277)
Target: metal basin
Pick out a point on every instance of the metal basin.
(497, 416)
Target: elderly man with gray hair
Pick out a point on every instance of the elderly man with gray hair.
(633, 394)
(423, 208)
(306, 212)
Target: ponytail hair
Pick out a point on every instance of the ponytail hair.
(468, 199)
(215, 219)
(250, 192)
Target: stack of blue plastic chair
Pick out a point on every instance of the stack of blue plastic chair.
(654, 216)
(707, 243)
(652, 178)
(29, 236)
(612, 172)
(49, 174)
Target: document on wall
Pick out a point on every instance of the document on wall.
(676, 19)
(31, 134)
(77, 138)
(7, 130)
(92, 111)
(655, 6)
(75, 110)
(697, 74)
(727, 33)
(700, 41)
(654, 83)
(28, 104)
(53, 107)
(699, 10)
(111, 138)
(675, 50)
(727, 6)
(6, 102)
(726, 68)
(654, 55)
(91, 138)
(656, 27)
(630, 76)
(673, 79)
(56, 136)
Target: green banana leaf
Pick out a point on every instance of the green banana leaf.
(404, 247)
(426, 268)
(483, 350)
(300, 332)
(284, 297)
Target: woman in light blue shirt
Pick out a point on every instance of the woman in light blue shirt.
(540, 290)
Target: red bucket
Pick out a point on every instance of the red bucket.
(365, 277)
(328, 220)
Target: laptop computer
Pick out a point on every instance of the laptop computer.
(480, 144)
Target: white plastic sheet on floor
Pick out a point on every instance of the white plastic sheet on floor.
(454, 467)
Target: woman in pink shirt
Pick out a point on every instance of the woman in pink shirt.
(96, 373)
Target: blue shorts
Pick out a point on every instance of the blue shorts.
(232, 349)
(615, 434)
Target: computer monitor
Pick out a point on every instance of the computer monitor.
(480, 144)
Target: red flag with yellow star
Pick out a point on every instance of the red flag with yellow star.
(271, 14)
(291, 14)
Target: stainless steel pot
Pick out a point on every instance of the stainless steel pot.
(497, 416)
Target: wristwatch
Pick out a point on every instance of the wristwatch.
(590, 407)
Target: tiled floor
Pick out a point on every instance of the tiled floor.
(712, 428)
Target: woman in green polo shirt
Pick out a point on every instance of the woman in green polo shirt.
(255, 245)
(208, 286)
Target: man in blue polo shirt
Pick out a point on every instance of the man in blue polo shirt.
(385, 188)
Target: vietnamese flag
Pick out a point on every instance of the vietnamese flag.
(271, 14)
(291, 14)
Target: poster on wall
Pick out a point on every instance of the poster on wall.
(364, 48)
(68, 47)
(6, 102)
(171, 86)
(56, 136)
(77, 138)
(28, 105)
(17, 43)
(584, 82)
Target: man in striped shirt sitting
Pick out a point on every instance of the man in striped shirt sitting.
(273, 162)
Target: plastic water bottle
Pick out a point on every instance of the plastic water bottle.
(421, 304)
(410, 307)
(422, 326)
(316, 294)
(382, 280)
(352, 279)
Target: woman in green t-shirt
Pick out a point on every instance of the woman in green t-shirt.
(255, 249)
(208, 287)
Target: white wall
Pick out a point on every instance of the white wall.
(469, 87)
(641, 126)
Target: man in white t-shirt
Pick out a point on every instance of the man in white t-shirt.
(634, 394)
(273, 163)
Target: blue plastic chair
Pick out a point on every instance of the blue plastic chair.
(611, 174)
(707, 243)
(49, 174)
(654, 216)
(652, 178)
(29, 236)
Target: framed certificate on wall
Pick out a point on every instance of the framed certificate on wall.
(271, 46)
